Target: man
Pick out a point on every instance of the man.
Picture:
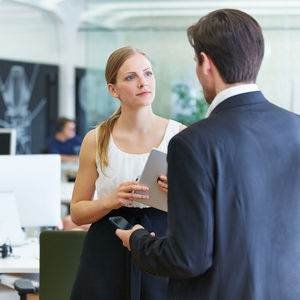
(234, 181)
(65, 142)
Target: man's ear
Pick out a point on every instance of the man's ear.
(206, 63)
(112, 90)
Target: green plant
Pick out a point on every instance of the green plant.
(188, 109)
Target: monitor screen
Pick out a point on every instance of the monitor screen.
(7, 141)
(35, 182)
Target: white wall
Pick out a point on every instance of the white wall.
(33, 34)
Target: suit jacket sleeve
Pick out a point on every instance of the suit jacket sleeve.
(187, 249)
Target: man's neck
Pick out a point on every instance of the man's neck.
(229, 91)
(61, 137)
(221, 85)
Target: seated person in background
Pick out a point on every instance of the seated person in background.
(65, 142)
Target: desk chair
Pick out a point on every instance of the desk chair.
(59, 259)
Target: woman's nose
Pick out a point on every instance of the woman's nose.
(141, 82)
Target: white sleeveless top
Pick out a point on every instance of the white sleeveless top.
(125, 167)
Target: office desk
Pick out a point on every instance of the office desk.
(24, 263)
(69, 170)
(25, 259)
(66, 192)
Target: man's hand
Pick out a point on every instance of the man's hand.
(124, 235)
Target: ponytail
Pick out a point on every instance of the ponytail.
(104, 130)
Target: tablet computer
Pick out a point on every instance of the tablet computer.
(155, 166)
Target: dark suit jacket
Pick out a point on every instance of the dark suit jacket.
(234, 206)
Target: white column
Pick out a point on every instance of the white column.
(69, 12)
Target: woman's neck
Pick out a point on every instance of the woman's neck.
(141, 120)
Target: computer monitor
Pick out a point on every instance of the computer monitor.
(8, 139)
(35, 182)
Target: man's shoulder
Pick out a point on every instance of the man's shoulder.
(52, 145)
(194, 134)
(52, 140)
(198, 128)
(76, 139)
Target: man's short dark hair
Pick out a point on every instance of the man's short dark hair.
(234, 42)
(61, 122)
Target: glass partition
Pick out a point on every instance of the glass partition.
(159, 29)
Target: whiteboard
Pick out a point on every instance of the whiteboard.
(35, 182)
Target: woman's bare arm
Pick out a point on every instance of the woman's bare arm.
(83, 209)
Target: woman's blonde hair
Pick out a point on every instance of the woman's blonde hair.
(104, 129)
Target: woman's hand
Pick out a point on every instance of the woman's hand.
(124, 194)
(163, 183)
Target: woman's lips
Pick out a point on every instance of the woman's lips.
(143, 93)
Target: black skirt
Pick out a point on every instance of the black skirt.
(106, 270)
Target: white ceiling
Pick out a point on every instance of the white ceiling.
(178, 14)
(136, 15)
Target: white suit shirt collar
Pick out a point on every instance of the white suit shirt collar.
(229, 92)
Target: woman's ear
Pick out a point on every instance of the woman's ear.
(112, 90)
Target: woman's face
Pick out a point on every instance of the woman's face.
(135, 84)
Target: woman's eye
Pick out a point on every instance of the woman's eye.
(130, 77)
(149, 73)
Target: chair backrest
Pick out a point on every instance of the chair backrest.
(59, 259)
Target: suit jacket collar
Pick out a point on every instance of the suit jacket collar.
(240, 100)
(230, 92)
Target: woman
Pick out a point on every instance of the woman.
(111, 157)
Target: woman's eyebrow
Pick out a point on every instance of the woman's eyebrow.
(133, 72)
(129, 72)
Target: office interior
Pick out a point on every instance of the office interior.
(52, 60)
